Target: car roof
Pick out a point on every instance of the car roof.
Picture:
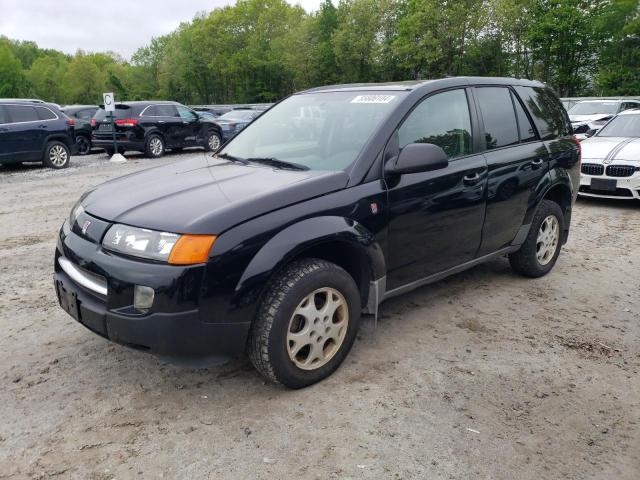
(632, 111)
(78, 106)
(148, 102)
(410, 85)
(608, 100)
(21, 100)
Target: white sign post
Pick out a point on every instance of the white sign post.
(110, 106)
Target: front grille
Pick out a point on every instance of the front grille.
(619, 192)
(620, 170)
(592, 169)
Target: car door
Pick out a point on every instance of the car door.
(190, 125)
(170, 124)
(436, 217)
(517, 161)
(5, 150)
(25, 132)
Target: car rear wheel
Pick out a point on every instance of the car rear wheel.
(306, 323)
(539, 252)
(56, 155)
(83, 144)
(213, 142)
(155, 146)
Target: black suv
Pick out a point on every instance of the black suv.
(35, 132)
(82, 114)
(153, 127)
(276, 244)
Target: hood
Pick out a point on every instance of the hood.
(205, 195)
(589, 118)
(611, 148)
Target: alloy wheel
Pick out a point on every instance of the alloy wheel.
(58, 156)
(155, 145)
(548, 238)
(214, 142)
(317, 328)
(83, 144)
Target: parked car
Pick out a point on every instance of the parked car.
(593, 114)
(82, 114)
(278, 242)
(35, 132)
(611, 159)
(231, 123)
(154, 127)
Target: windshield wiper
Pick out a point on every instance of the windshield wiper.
(226, 156)
(274, 162)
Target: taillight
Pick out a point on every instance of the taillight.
(579, 149)
(127, 122)
(93, 122)
(71, 122)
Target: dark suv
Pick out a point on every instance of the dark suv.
(35, 132)
(82, 115)
(276, 244)
(153, 127)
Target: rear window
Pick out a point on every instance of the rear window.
(21, 113)
(122, 111)
(45, 114)
(547, 112)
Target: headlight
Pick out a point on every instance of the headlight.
(163, 246)
(75, 213)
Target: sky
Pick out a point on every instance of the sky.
(121, 26)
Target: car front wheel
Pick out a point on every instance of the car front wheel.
(56, 155)
(83, 144)
(306, 323)
(540, 250)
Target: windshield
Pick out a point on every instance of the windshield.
(321, 131)
(239, 115)
(622, 126)
(594, 108)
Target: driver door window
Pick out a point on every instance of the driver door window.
(442, 119)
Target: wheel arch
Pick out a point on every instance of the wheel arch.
(339, 240)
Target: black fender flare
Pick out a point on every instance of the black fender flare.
(306, 234)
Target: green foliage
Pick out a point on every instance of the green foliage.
(262, 50)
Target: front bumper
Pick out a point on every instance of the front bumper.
(176, 325)
(626, 188)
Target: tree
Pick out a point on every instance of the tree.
(12, 80)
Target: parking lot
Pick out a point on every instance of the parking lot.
(483, 375)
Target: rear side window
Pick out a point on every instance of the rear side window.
(151, 111)
(45, 114)
(3, 115)
(442, 119)
(525, 128)
(500, 125)
(166, 111)
(21, 113)
(547, 112)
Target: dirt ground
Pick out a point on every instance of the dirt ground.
(484, 375)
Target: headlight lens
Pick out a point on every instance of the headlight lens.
(163, 246)
(75, 213)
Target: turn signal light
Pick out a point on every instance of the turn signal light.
(191, 249)
(93, 122)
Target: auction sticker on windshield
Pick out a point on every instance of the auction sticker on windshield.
(373, 99)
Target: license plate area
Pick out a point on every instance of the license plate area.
(605, 184)
(105, 127)
(68, 300)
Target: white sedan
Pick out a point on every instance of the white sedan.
(611, 159)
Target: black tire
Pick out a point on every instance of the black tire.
(525, 261)
(267, 345)
(56, 155)
(83, 144)
(155, 146)
(213, 141)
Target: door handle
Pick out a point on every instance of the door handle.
(471, 179)
(42, 126)
(161, 121)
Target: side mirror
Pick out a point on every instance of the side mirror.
(418, 157)
(591, 133)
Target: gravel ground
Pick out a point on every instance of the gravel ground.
(484, 375)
